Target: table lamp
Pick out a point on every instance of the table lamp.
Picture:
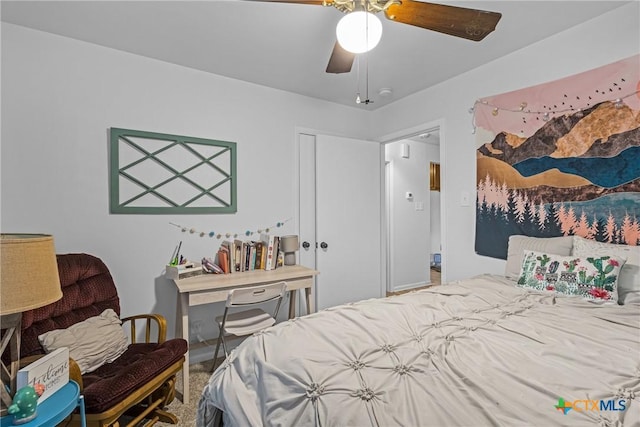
(28, 280)
(289, 245)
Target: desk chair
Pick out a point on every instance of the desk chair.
(247, 322)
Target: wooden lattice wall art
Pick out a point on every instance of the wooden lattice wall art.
(156, 173)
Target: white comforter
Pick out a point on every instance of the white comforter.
(471, 353)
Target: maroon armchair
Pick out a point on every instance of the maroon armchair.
(141, 381)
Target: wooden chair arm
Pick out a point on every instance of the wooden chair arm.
(74, 373)
(150, 320)
(74, 369)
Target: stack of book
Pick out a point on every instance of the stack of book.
(235, 256)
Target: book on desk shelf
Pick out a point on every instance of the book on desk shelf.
(239, 256)
(260, 255)
(230, 261)
(249, 253)
(51, 370)
(243, 256)
(254, 263)
(276, 251)
(223, 259)
(271, 244)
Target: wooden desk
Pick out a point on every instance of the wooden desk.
(209, 288)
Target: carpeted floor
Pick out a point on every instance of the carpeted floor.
(199, 374)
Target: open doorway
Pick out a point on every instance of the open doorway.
(413, 211)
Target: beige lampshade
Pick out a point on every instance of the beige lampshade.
(28, 272)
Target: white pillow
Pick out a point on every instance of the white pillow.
(517, 244)
(92, 342)
(629, 280)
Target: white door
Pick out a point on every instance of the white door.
(345, 179)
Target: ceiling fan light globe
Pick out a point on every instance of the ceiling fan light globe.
(359, 32)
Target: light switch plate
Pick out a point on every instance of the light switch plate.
(464, 199)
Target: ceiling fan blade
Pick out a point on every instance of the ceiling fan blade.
(341, 60)
(471, 24)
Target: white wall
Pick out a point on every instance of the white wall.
(59, 99)
(409, 237)
(606, 39)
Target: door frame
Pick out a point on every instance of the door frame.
(405, 134)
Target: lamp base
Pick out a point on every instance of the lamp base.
(289, 258)
(11, 323)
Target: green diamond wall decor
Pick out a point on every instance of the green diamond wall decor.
(157, 173)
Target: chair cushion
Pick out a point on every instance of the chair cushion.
(113, 382)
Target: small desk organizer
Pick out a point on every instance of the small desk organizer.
(182, 271)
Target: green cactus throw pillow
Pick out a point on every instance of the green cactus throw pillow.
(592, 277)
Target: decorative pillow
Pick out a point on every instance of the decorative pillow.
(629, 280)
(92, 342)
(592, 277)
(550, 245)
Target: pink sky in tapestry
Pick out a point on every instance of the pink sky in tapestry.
(561, 158)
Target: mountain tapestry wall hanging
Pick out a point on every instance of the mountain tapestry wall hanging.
(561, 158)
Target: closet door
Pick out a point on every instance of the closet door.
(347, 189)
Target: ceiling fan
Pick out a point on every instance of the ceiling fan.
(471, 24)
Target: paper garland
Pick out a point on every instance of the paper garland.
(228, 235)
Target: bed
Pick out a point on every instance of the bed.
(480, 351)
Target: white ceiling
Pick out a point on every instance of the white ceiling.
(287, 46)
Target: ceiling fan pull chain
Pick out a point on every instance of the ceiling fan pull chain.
(367, 72)
(358, 80)
(366, 58)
